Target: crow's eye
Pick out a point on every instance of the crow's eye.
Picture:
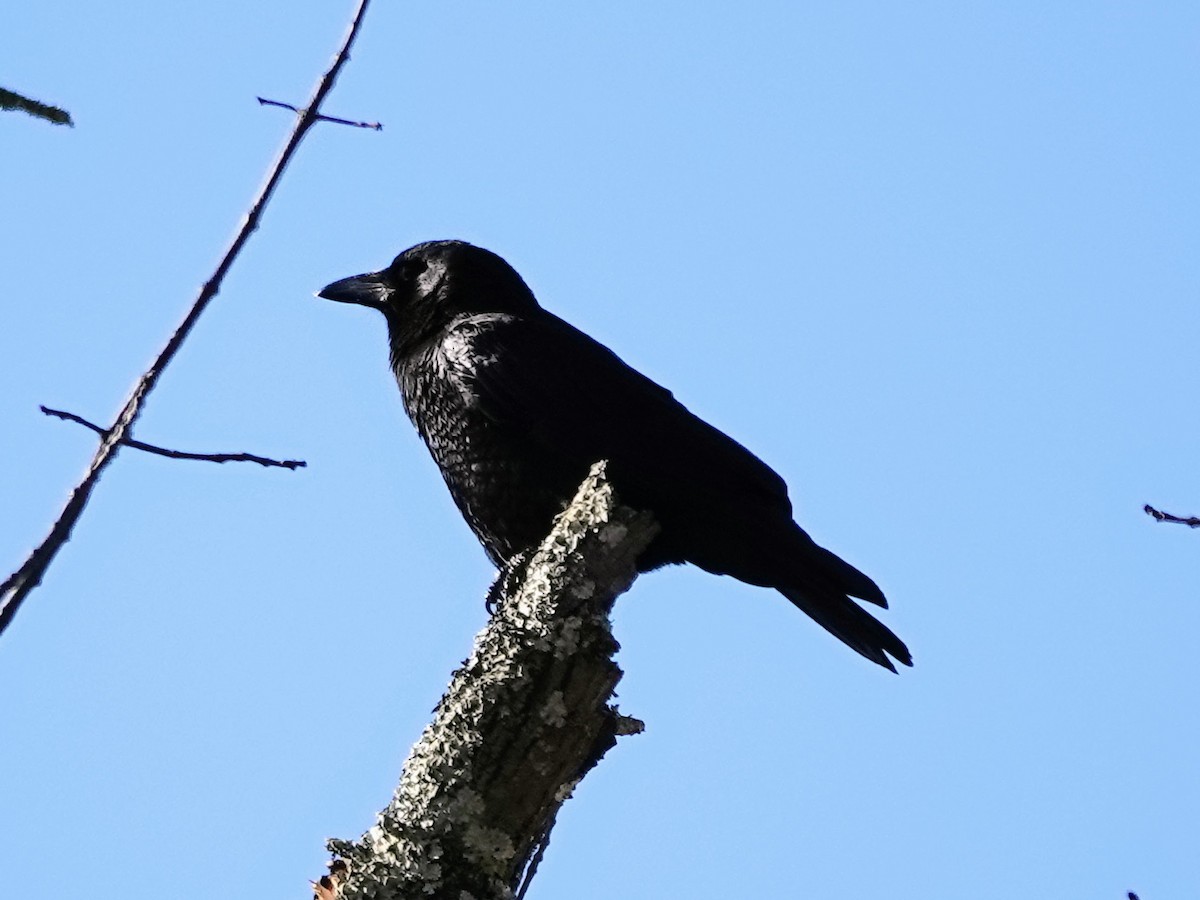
(409, 269)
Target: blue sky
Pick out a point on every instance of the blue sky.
(935, 262)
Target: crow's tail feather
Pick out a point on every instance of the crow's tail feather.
(847, 578)
(851, 624)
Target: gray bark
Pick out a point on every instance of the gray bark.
(522, 722)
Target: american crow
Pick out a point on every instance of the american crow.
(515, 405)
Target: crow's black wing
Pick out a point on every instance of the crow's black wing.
(573, 396)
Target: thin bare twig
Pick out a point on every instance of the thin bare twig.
(1160, 516)
(18, 585)
(37, 109)
(543, 843)
(292, 464)
(375, 126)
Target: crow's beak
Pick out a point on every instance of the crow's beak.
(365, 290)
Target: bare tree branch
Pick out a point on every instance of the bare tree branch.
(523, 721)
(292, 464)
(37, 109)
(1160, 516)
(374, 126)
(18, 585)
(542, 844)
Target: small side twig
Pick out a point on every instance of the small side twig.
(321, 117)
(326, 887)
(543, 842)
(1160, 516)
(292, 464)
(37, 109)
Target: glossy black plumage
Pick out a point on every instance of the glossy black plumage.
(515, 405)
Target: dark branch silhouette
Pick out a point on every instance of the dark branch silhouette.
(20, 583)
(292, 464)
(374, 126)
(37, 109)
(1160, 516)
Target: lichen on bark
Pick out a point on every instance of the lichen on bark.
(523, 721)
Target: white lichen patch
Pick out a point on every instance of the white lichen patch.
(566, 642)
(554, 713)
(613, 533)
(584, 590)
(379, 839)
(467, 805)
(627, 725)
(428, 872)
(489, 847)
(565, 790)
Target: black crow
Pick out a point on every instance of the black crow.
(515, 405)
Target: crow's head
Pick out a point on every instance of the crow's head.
(430, 284)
